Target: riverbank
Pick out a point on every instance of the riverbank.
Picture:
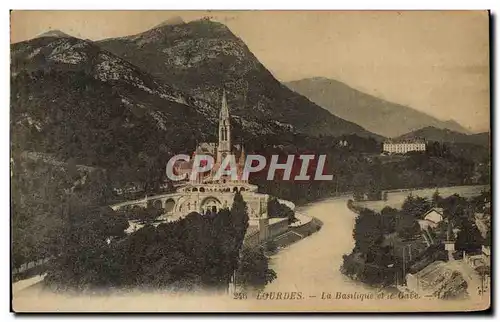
(396, 198)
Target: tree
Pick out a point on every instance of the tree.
(113, 224)
(253, 269)
(367, 232)
(275, 209)
(443, 230)
(415, 206)
(370, 259)
(436, 198)
(407, 226)
(226, 232)
(389, 218)
(358, 195)
(41, 195)
(469, 238)
(239, 216)
(86, 259)
(455, 208)
(238, 222)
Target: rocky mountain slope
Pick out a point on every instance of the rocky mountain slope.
(430, 133)
(374, 114)
(202, 56)
(73, 99)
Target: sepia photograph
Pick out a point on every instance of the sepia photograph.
(250, 161)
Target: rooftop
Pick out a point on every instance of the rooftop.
(414, 141)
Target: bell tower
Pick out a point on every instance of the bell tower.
(224, 146)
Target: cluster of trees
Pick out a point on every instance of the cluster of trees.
(359, 169)
(144, 215)
(59, 212)
(194, 252)
(377, 257)
(341, 162)
(459, 214)
(253, 270)
(42, 195)
(374, 260)
(277, 210)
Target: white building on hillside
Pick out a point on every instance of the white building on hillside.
(404, 146)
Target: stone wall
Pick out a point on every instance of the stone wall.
(277, 226)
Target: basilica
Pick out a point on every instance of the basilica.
(207, 195)
(218, 151)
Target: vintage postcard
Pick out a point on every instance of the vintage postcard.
(250, 161)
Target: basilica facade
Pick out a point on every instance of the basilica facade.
(205, 193)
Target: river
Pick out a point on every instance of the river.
(313, 263)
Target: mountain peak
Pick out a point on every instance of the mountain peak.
(201, 55)
(173, 21)
(176, 29)
(55, 33)
(208, 26)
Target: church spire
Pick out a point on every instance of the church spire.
(224, 147)
(224, 111)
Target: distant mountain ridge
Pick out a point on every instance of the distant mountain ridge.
(374, 114)
(430, 133)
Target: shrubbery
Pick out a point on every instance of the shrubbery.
(277, 210)
(253, 271)
(195, 252)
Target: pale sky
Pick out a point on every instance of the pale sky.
(436, 62)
